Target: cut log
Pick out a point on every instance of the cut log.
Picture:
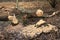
(37, 13)
(3, 17)
(24, 12)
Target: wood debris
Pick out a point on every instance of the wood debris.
(13, 19)
(40, 22)
(32, 31)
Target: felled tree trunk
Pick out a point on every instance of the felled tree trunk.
(27, 13)
(32, 13)
(3, 16)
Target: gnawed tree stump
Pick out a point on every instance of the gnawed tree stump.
(8, 15)
(4, 13)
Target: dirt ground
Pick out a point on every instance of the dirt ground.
(55, 20)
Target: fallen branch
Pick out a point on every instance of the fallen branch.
(53, 14)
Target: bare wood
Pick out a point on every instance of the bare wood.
(38, 13)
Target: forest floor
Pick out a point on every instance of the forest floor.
(55, 20)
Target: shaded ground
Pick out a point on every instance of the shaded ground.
(15, 35)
